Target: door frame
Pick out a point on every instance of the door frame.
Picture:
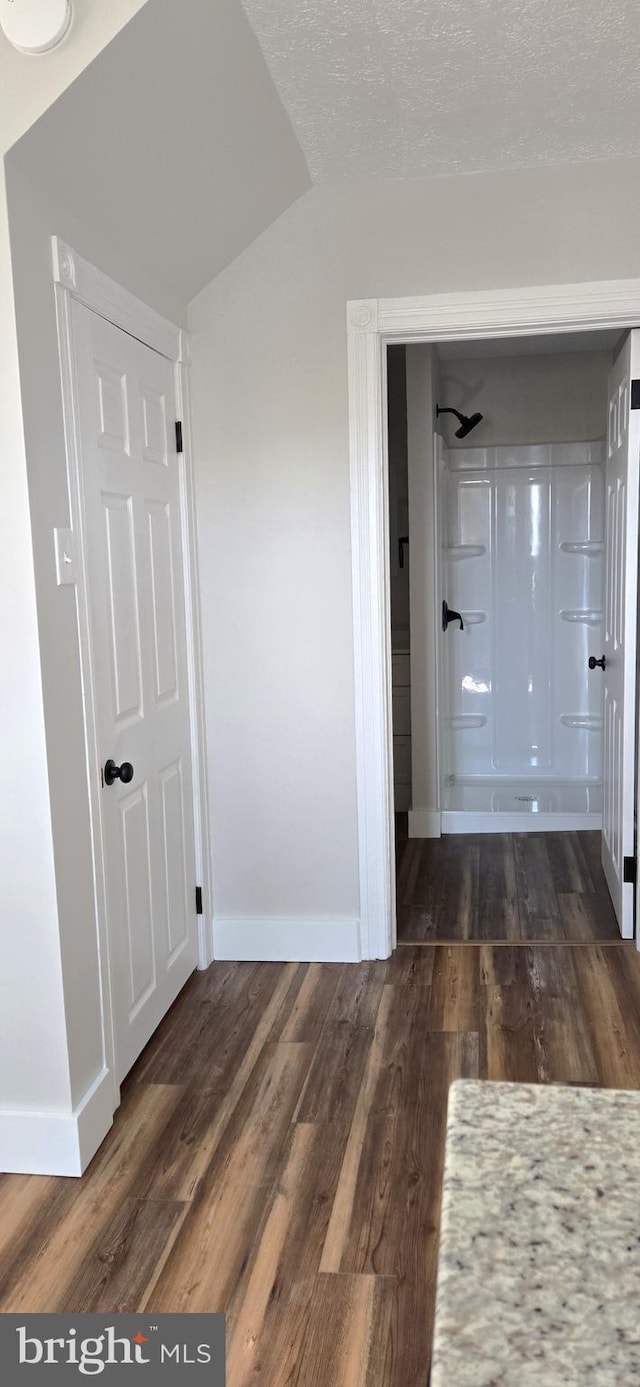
(75, 278)
(372, 325)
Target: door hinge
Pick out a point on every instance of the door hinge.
(635, 394)
(629, 870)
(179, 448)
(198, 900)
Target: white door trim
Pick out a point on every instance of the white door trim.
(75, 278)
(95, 290)
(371, 325)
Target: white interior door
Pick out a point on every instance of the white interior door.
(620, 630)
(131, 488)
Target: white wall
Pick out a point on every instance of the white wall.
(34, 1065)
(276, 583)
(270, 410)
(33, 1059)
(545, 398)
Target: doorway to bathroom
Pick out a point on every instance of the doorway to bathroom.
(471, 315)
(512, 562)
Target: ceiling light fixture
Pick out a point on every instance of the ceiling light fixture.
(35, 26)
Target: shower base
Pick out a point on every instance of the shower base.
(521, 806)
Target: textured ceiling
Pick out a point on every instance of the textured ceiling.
(395, 88)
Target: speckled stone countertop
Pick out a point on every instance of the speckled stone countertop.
(539, 1265)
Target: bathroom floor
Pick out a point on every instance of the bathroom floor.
(502, 888)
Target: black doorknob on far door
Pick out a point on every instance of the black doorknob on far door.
(113, 773)
(597, 664)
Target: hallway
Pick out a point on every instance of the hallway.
(502, 888)
(278, 1151)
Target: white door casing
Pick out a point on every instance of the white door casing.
(371, 325)
(125, 398)
(622, 480)
(441, 671)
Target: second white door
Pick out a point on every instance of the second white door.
(622, 475)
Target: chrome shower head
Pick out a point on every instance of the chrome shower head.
(467, 423)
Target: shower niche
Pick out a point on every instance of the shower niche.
(520, 544)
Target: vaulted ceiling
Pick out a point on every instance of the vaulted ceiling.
(174, 142)
(28, 86)
(203, 120)
(402, 88)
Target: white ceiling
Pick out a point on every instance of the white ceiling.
(401, 88)
(543, 344)
(174, 143)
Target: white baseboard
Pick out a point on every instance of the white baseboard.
(287, 940)
(53, 1143)
(466, 821)
(425, 823)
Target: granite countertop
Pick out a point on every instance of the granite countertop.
(539, 1265)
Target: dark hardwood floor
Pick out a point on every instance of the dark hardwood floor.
(278, 1152)
(502, 888)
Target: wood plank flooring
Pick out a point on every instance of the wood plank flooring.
(502, 887)
(278, 1152)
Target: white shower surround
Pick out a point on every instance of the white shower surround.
(520, 719)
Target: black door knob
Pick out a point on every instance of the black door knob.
(448, 615)
(113, 773)
(595, 664)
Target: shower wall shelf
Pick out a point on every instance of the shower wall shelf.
(583, 616)
(586, 724)
(591, 548)
(474, 618)
(461, 724)
(465, 551)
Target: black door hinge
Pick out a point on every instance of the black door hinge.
(635, 394)
(198, 900)
(629, 870)
(179, 448)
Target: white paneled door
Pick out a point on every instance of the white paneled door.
(620, 631)
(130, 476)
